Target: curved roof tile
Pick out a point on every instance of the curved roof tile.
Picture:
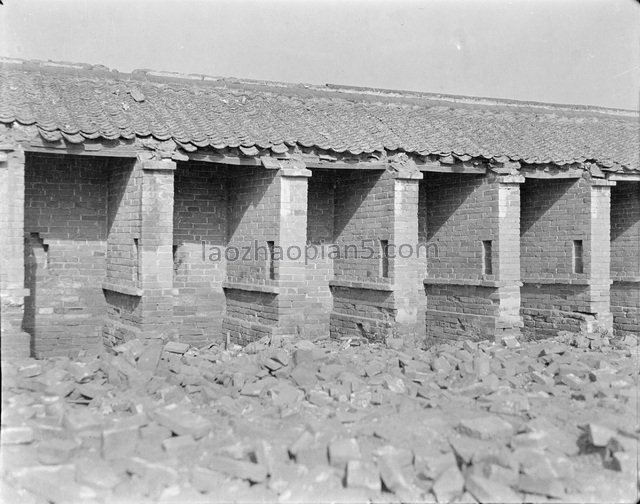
(261, 116)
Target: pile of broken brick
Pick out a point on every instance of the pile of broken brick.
(284, 420)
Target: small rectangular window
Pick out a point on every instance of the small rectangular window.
(272, 266)
(176, 263)
(487, 257)
(45, 248)
(384, 258)
(578, 261)
(136, 257)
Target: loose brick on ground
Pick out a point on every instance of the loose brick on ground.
(487, 427)
(182, 421)
(276, 438)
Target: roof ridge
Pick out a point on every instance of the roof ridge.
(342, 91)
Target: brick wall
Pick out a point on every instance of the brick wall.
(549, 308)
(553, 214)
(123, 273)
(625, 307)
(124, 183)
(79, 210)
(423, 237)
(362, 312)
(363, 213)
(551, 218)
(15, 342)
(253, 219)
(319, 266)
(249, 315)
(625, 229)
(65, 237)
(200, 216)
(458, 312)
(139, 283)
(625, 258)
(555, 295)
(363, 216)
(123, 318)
(462, 211)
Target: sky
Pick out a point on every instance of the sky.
(560, 51)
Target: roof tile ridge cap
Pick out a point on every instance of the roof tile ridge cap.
(64, 65)
(84, 70)
(526, 105)
(195, 78)
(439, 99)
(164, 76)
(6, 61)
(59, 67)
(269, 83)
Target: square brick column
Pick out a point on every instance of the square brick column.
(156, 249)
(598, 254)
(292, 237)
(15, 342)
(408, 264)
(506, 258)
(139, 283)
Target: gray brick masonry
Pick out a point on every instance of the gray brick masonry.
(98, 250)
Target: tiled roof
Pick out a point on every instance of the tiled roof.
(82, 102)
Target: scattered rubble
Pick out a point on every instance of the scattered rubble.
(295, 421)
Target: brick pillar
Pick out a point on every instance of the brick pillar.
(598, 254)
(506, 258)
(15, 342)
(156, 249)
(138, 286)
(407, 265)
(291, 269)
